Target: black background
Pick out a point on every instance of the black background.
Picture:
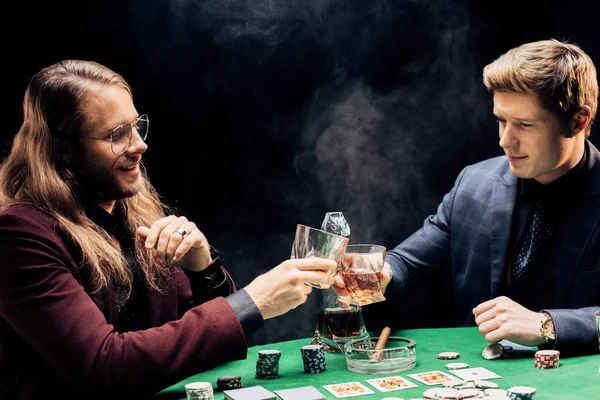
(265, 114)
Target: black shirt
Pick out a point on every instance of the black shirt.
(539, 293)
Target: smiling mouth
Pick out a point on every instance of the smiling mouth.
(130, 168)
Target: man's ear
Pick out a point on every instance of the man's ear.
(580, 122)
(63, 151)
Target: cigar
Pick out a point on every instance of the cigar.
(381, 342)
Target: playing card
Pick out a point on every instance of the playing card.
(249, 393)
(348, 389)
(301, 393)
(434, 378)
(475, 374)
(391, 383)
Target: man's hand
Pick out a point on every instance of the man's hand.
(503, 318)
(190, 251)
(287, 286)
(386, 276)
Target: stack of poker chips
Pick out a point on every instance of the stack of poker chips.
(521, 392)
(313, 356)
(267, 364)
(229, 382)
(546, 359)
(199, 391)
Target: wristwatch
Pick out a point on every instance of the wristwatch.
(547, 328)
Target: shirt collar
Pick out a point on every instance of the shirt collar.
(114, 224)
(562, 185)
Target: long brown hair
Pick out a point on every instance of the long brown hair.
(53, 110)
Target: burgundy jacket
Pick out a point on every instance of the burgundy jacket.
(57, 341)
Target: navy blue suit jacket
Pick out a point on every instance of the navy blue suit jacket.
(468, 239)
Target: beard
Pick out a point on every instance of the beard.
(100, 181)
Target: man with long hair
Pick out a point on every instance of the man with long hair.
(519, 235)
(102, 294)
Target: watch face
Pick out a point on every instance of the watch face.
(548, 329)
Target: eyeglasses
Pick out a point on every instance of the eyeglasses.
(120, 138)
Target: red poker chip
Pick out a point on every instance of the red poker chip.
(448, 355)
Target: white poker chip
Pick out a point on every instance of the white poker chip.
(457, 365)
(442, 393)
(448, 355)
(521, 391)
(486, 385)
(452, 384)
(493, 351)
(465, 385)
(198, 386)
(470, 393)
(495, 392)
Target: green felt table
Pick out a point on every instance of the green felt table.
(576, 378)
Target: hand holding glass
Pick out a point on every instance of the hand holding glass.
(311, 242)
(360, 269)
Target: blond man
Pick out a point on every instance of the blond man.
(520, 234)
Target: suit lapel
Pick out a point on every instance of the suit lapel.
(502, 206)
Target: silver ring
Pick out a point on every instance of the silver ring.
(181, 231)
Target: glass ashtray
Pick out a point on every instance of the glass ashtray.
(399, 354)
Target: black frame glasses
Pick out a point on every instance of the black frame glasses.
(121, 135)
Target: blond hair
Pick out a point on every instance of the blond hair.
(53, 108)
(561, 74)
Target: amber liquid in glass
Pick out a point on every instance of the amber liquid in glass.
(362, 286)
(339, 322)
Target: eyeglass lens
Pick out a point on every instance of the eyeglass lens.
(121, 137)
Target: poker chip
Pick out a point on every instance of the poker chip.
(267, 364)
(448, 355)
(465, 385)
(442, 393)
(229, 382)
(493, 351)
(495, 392)
(521, 392)
(452, 384)
(485, 385)
(470, 393)
(313, 357)
(199, 391)
(453, 366)
(546, 359)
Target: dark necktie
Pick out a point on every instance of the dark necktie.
(531, 251)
